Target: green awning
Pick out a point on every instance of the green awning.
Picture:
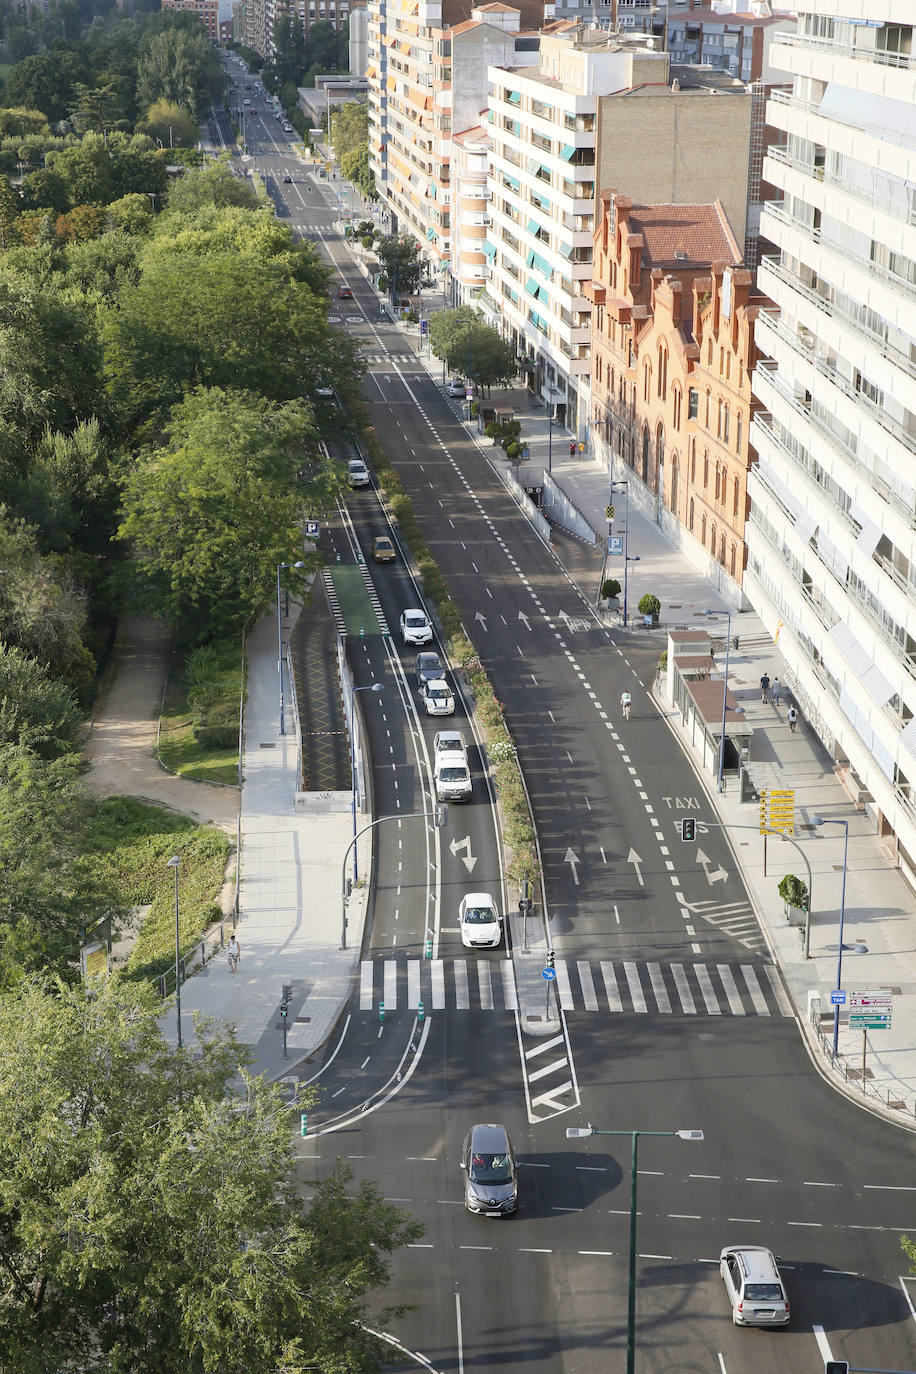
(566, 152)
(535, 260)
(514, 97)
(533, 226)
(533, 286)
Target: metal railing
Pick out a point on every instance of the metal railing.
(852, 1077)
(200, 954)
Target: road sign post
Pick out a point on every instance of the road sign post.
(549, 974)
(870, 1009)
(777, 812)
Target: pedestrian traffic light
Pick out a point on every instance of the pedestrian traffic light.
(550, 958)
(688, 829)
(836, 1367)
(284, 1009)
(304, 1124)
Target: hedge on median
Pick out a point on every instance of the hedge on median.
(518, 830)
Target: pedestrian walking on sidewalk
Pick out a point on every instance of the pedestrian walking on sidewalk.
(764, 687)
(793, 719)
(777, 690)
(572, 448)
(235, 953)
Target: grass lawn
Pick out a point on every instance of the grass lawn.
(129, 843)
(179, 751)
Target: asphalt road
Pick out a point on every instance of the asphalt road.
(784, 1163)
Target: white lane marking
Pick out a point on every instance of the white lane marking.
(595, 1252)
(635, 986)
(484, 985)
(413, 983)
(530, 1250)
(731, 989)
(544, 1045)
(365, 985)
(810, 1183)
(754, 988)
(391, 985)
(891, 1187)
(562, 984)
(510, 996)
(365, 1062)
(548, 1099)
(460, 1338)
(765, 1180)
(610, 985)
(704, 1175)
(658, 987)
(709, 997)
(589, 996)
(721, 1359)
(779, 992)
(745, 1221)
(814, 1225)
(548, 1068)
(438, 980)
(683, 990)
(462, 1002)
(823, 1344)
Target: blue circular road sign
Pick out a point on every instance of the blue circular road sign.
(549, 974)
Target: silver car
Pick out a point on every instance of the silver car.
(754, 1286)
(490, 1184)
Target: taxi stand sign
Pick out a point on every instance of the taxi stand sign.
(777, 810)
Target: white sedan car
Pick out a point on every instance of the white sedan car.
(437, 698)
(415, 628)
(479, 921)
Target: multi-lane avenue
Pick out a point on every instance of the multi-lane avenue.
(668, 1011)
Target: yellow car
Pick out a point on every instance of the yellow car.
(383, 550)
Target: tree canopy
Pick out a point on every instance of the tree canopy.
(465, 342)
(149, 1223)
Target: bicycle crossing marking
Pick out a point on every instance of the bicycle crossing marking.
(731, 989)
(755, 990)
(637, 997)
(683, 990)
(610, 985)
(658, 988)
(625, 987)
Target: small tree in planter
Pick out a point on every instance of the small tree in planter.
(794, 894)
(610, 589)
(650, 605)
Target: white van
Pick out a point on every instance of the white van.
(452, 777)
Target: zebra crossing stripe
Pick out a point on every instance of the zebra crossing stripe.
(631, 972)
(484, 985)
(549, 1099)
(589, 996)
(683, 990)
(391, 985)
(564, 991)
(610, 985)
(510, 996)
(754, 988)
(731, 989)
(544, 1045)
(413, 984)
(437, 973)
(365, 985)
(658, 988)
(547, 1068)
(778, 991)
(709, 997)
(462, 1002)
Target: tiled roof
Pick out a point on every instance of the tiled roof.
(685, 235)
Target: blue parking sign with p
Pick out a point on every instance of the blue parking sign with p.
(615, 544)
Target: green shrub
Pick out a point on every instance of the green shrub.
(649, 605)
(610, 588)
(793, 891)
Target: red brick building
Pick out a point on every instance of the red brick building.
(206, 10)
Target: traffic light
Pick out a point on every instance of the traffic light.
(550, 958)
(304, 1123)
(836, 1367)
(688, 829)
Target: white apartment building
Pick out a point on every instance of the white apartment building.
(832, 531)
(470, 250)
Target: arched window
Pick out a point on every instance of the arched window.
(712, 540)
(719, 419)
(647, 382)
(674, 482)
(690, 516)
(703, 530)
(725, 424)
(709, 352)
(708, 399)
(739, 432)
(737, 492)
(693, 462)
(645, 452)
(662, 371)
(722, 550)
(676, 405)
(724, 485)
(732, 561)
(705, 468)
(659, 446)
(718, 480)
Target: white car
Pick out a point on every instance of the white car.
(455, 388)
(754, 1286)
(449, 742)
(415, 628)
(479, 921)
(437, 698)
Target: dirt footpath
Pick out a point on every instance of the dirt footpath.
(122, 740)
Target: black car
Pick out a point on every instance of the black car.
(428, 668)
(287, 179)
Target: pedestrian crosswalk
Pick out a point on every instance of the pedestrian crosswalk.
(625, 986)
(378, 359)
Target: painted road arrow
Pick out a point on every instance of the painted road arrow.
(524, 618)
(719, 876)
(468, 859)
(482, 619)
(635, 859)
(572, 858)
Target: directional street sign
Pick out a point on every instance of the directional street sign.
(777, 810)
(868, 1021)
(870, 1008)
(549, 974)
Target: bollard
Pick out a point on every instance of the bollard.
(381, 1011)
(304, 1124)
(429, 949)
(421, 1014)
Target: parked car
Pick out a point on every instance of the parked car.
(427, 666)
(456, 387)
(383, 550)
(488, 1161)
(437, 698)
(415, 627)
(479, 921)
(754, 1286)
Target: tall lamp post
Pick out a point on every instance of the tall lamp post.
(720, 780)
(820, 820)
(280, 568)
(578, 1133)
(174, 862)
(376, 687)
(439, 816)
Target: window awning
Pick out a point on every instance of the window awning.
(514, 97)
(566, 152)
(533, 287)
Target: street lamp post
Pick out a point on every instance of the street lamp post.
(280, 568)
(174, 863)
(375, 687)
(439, 815)
(820, 820)
(577, 1133)
(550, 442)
